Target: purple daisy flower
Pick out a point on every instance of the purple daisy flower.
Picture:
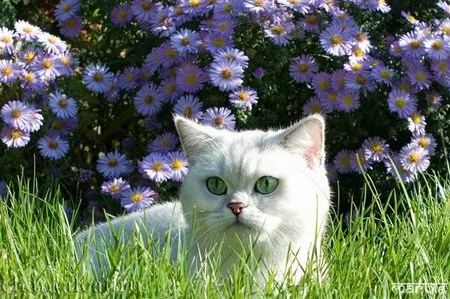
(114, 164)
(300, 6)
(143, 9)
(8, 71)
(342, 161)
(71, 27)
(53, 147)
(414, 158)
(190, 78)
(168, 55)
(226, 75)
(148, 100)
(48, 67)
(232, 54)
(313, 106)
(360, 81)
(121, 15)
(412, 45)
(128, 79)
(441, 70)
(62, 126)
(164, 143)
(214, 42)
(338, 79)
(416, 123)
(419, 76)
(383, 74)
(396, 169)
(14, 138)
(362, 41)
(169, 89)
(52, 44)
(162, 22)
(335, 41)
(31, 81)
(303, 68)
(6, 40)
(279, 30)
(97, 78)
(16, 114)
(155, 167)
(257, 6)
(375, 149)
(193, 7)
(115, 187)
(26, 31)
(68, 63)
(434, 100)
(29, 55)
(190, 107)
(259, 72)
(321, 83)
(437, 48)
(348, 101)
(359, 161)
(136, 199)
(244, 97)
(185, 41)
(401, 103)
(425, 141)
(66, 9)
(224, 25)
(220, 118)
(329, 101)
(178, 165)
(62, 106)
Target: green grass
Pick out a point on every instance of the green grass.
(407, 239)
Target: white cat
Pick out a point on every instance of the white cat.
(265, 191)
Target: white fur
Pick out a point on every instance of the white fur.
(293, 216)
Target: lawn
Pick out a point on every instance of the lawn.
(388, 244)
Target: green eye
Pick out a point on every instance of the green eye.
(266, 184)
(216, 185)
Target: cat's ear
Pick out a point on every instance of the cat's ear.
(194, 137)
(307, 138)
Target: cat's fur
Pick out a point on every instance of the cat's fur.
(292, 217)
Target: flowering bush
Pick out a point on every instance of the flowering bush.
(100, 123)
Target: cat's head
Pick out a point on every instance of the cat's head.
(253, 183)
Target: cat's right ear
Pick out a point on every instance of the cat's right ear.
(194, 137)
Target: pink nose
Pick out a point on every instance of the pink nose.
(236, 207)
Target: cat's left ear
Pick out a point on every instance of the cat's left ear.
(307, 138)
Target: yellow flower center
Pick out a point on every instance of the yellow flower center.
(414, 157)
(67, 7)
(346, 161)
(332, 97)
(6, 39)
(53, 144)
(130, 77)
(63, 103)
(146, 6)
(98, 77)
(194, 3)
(311, 19)
(70, 24)
(16, 113)
(323, 85)
(15, 134)
(358, 52)
(315, 108)
(423, 142)
(360, 37)
(223, 26)
(226, 73)
(219, 121)
(376, 147)
(360, 79)
(437, 45)
(7, 71)
(57, 125)
(148, 100)
(115, 188)
(171, 53)
(122, 15)
(29, 77)
(164, 143)
(277, 30)
(385, 74)
(228, 8)
(52, 39)
(416, 118)
(303, 67)
(185, 41)
(420, 76)
(65, 61)
(136, 197)
(191, 79)
(177, 164)
(113, 162)
(415, 44)
(446, 29)
(336, 39)
(348, 100)
(47, 64)
(29, 56)
(259, 3)
(27, 29)
(187, 112)
(172, 87)
(400, 102)
(357, 66)
(219, 42)
(243, 96)
(157, 166)
(443, 67)
(179, 10)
